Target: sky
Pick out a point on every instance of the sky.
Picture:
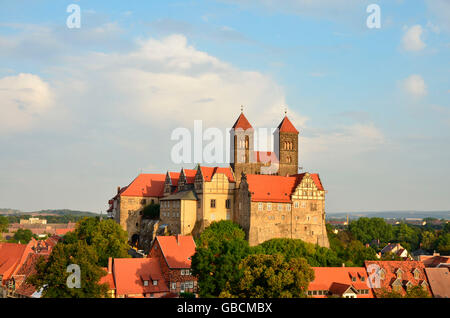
(84, 110)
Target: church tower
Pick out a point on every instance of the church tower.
(287, 147)
(242, 151)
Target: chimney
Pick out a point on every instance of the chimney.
(118, 190)
(109, 265)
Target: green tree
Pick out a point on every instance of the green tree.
(407, 236)
(271, 276)
(443, 243)
(384, 293)
(22, 236)
(294, 248)
(356, 253)
(221, 230)
(220, 249)
(151, 211)
(367, 229)
(428, 240)
(4, 223)
(106, 237)
(52, 274)
(417, 292)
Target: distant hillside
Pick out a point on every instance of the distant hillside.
(59, 212)
(392, 215)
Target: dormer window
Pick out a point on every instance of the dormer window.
(155, 283)
(416, 274)
(399, 273)
(145, 282)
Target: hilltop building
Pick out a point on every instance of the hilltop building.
(261, 191)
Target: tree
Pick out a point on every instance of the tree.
(151, 211)
(384, 293)
(357, 253)
(4, 223)
(52, 274)
(220, 249)
(443, 243)
(22, 236)
(407, 236)
(295, 248)
(428, 240)
(367, 229)
(417, 292)
(271, 276)
(221, 230)
(106, 237)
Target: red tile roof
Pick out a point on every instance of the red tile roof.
(12, 255)
(146, 185)
(433, 260)
(174, 176)
(62, 232)
(209, 172)
(337, 280)
(177, 250)
(286, 126)
(27, 269)
(242, 122)
(268, 188)
(439, 280)
(129, 274)
(189, 174)
(108, 279)
(391, 269)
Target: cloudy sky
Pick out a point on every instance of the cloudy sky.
(85, 110)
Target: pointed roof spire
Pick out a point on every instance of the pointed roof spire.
(242, 121)
(286, 125)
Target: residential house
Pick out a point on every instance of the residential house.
(439, 280)
(175, 255)
(435, 260)
(345, 282)
(397, 276)
(397, 250)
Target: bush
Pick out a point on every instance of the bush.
(151, 211)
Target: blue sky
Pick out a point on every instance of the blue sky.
(85, 110)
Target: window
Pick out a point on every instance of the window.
(288, 207)
(155, 283)
(296, 204)
(269, 206)
(282, 217)
(303, 204)
(280, 207)
(145, 282)
(213, 203)
(183, 272)
(182, 287)
(313, 206)
(143, 201)
(227, 203)
(260, 206)
(174, 285)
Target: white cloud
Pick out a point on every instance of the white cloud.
(24, 99)
(441, 11)
(172, 81)
(414, 86)
(412, 40)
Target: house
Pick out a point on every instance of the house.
(175, 254)
(136, 278)
(109, 279)
(126, 206)
(19, 288)
(345, 282)
(397, 276)
(395, 249)
(435, 260)
(282, 207)
(439, 280)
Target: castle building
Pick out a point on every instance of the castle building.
(262, 191)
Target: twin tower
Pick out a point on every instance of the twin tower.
(283, 161)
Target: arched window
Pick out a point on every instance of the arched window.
(246, 142)
(288, 159)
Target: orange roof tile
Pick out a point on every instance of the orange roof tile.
(439, 280)
(177, 250)
(128, 273)
(286, 126)
(242, 123)
(174, 177)
(209, 172)
(269, 188)
(390, 271)
(189, 174)
(146, 185)
(11, 256)
(108, 279)
(339, 279)
(62, 232)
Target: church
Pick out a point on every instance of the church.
(261, 191)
